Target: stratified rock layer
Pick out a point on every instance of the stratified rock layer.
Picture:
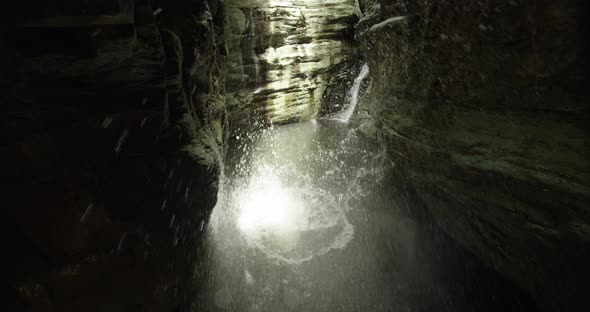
(280, 56)
(484, 108)
(113, 130)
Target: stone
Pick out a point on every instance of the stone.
(282, 52)
(108, 135)
(487, 131)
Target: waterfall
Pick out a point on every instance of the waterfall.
(352, 97)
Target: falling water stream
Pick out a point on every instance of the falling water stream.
(352, 97)
(304, 223)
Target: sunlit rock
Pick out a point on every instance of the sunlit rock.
(280, 54)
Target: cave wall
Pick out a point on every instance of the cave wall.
(114, 116)
(484, 108)
(281, 54)
(113, 119)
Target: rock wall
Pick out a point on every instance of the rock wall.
(484, 108)
(280, 56)
(113, 119)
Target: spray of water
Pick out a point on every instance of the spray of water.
(289, 198)
(289, 192)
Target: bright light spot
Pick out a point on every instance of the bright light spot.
(266, 205)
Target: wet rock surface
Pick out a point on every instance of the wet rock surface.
(115, 124)
(281, 54)
(484, 107)
(113, 119)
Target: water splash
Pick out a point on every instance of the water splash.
(288, 192)
(352, 98)
(289, 199)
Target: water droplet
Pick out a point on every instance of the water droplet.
(86, 213)
(172, 220)
(157, 12)
(121, 241)
(96, 32)
(122, 139)
(107, 122)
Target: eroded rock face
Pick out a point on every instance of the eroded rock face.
(280, 56)
(113, 122)
(484, 107)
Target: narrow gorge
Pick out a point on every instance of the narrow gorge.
(293, 155)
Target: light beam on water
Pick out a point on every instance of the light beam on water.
(267, 204)
(288, 196)
(284, 204)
